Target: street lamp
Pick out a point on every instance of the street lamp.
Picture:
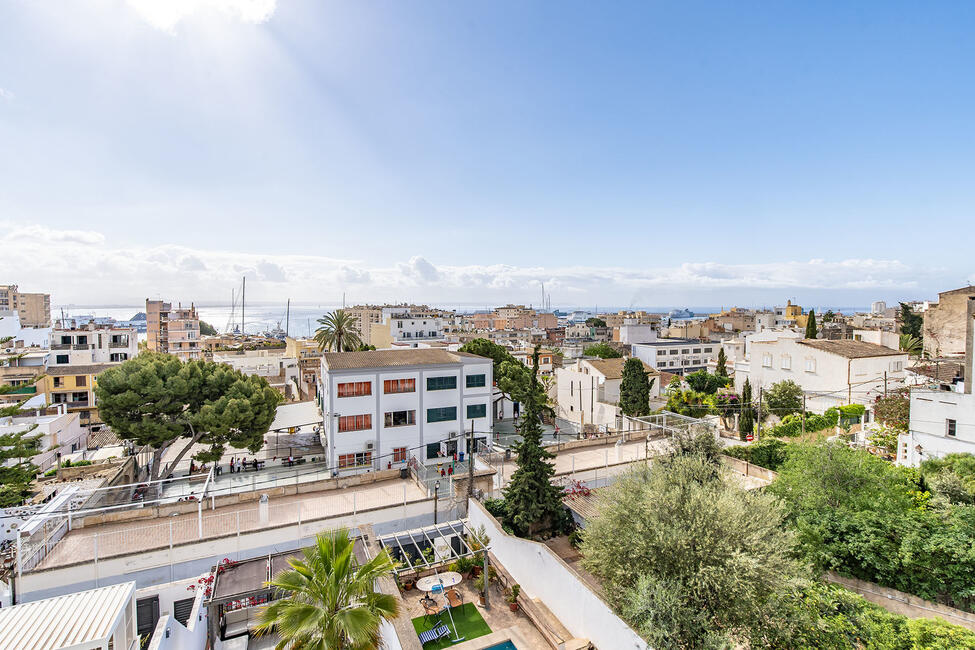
(436, 490)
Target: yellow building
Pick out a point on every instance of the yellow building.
(34, 309)
(309, 358)
(74, 386)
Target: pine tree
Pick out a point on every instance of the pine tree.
(811, 325)
(721, 370)
(746, 420)
(534, 504)
(635, 389)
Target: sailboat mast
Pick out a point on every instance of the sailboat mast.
(287, 319)
(243, 292)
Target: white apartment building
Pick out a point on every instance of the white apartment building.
(21, 336)
(281, 371)
(831, 372)
(384, 407)
(632, 331)
(93, 344)
(60, 431)
(589, 391)
(408, 330)
(677, 356)
(943, 421)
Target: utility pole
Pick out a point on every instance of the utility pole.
(436, 498)
(885, 383)
(803, 413)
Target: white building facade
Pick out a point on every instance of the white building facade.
(382, 408)
(93, 344)
(677, 356)
(832, 373)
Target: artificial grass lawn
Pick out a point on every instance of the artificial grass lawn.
(468, 620)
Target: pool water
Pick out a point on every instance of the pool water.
(507, 645)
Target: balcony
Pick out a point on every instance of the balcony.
(61, 346)
(118, 344)
(24, 390)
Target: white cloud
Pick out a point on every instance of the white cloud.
(166, 14)
(83, 267)
(6, 95)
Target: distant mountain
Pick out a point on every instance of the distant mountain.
(140, 316)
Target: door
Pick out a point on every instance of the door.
(146, 616)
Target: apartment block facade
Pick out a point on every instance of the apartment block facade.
(173, 331)
(382, 408)
(677, 356)
(34, 308)
(93, 344)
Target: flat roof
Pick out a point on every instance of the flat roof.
(87, 369)
(65, 621)
(394, 358)
(296, 415)
(678, 342)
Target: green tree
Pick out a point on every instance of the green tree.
(156, 399)
(784, 398)
(722, 365)
(513, 378)
(746, 420)
(593, 321)
(338, 332)
(829, 316)
(603, 351)
(687, 557)
(534, 503)
(17, 446)
(911, 324)
(366, 348)
(207, 329)
(330, 601)
(704, 382)
(811, 325)
(635, 389)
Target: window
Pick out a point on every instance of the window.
(59, 382)
(674, 351)
(79, 397)
(391, 386)
(810, 365)
(400, 418)
(80, 380)
(61, 358)
(786, 362)
(897, 366)
(443, 414)
(767, 360)
(355, 389)
(707, 350)
(442, 383)
(119, 356)
(476, 411)
(355, 422)
(476, 381)
(685, 351)
(399, 454)
(433, 450)
(355, 460)
(697, 350)
(950, 426)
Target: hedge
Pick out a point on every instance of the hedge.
(791, 425)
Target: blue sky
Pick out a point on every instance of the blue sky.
(626, 153)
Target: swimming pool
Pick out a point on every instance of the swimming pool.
(507, 645)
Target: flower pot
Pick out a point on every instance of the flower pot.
(408, 585)
(513, 607)
(481, 600)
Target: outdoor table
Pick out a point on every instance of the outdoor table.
(447, 579)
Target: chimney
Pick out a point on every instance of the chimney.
(970, 345)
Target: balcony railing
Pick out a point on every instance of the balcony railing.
(118, 344)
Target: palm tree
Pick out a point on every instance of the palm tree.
(338, 332)
(331, 601)
(911, 344)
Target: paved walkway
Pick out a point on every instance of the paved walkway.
(130, 537)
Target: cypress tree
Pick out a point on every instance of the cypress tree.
(634, 389)
(534, 504)
(811, 325)
(746, 420)
(722, 369)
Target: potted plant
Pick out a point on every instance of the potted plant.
(479, 586)
(512, 597)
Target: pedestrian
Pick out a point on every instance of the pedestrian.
(450, 471)
(442, 472)
(238, 466)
